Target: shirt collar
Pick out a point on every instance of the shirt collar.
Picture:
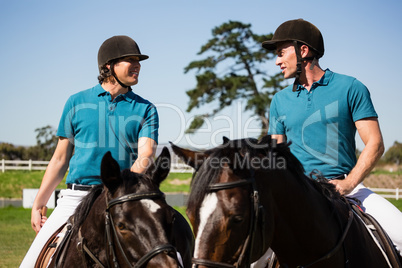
(324, 80)
(129, 96)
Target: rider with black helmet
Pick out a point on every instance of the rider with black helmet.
(320, 113)
(106, 117)
(112, 51)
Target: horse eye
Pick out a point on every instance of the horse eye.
(121, 226)
(237, 219)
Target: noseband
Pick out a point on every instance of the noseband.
(248, 243)
(110, 230)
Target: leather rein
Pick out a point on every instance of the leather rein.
(112, 233)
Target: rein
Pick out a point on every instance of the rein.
(340, 242)
(112, 233)
(248, 243)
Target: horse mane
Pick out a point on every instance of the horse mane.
(129, 180)
(85, 205)
(315, 179)
(208, 173)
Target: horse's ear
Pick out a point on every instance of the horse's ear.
(159, 170)
(192, 158)
(110, 172)
(225, 139)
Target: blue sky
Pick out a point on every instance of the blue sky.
(49, 52)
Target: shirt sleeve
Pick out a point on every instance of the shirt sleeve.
(65, 128)
(276, 124)
(360, 102)
(150, 126)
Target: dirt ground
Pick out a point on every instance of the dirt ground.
(388, 180)
(391, 181)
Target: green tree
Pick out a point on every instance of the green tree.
(394, 154)
(232, 70)
(10, 152)
(46, 142)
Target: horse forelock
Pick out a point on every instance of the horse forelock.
(211, 169)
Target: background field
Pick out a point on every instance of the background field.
(16, 234)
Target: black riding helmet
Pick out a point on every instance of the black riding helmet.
(117, 47)
(298, 31)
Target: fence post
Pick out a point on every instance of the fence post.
(3, 165)
(397, 193)
(30, 164)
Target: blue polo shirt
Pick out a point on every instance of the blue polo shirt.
(95, 124)
(320, 123)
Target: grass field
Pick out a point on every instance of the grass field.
(12, 182)
(16, 234)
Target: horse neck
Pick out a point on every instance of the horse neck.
(94, 224)
(297, 213)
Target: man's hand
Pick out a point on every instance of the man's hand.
(344, 186)
(38, 219)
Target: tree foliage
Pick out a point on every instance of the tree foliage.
(46, 142)
(394, 154)
(233, 70)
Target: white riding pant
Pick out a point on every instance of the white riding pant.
(387, 215)
(66, 205)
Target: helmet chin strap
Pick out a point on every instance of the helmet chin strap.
(115, 77)
(298, 64)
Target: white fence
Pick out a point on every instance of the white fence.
(175, 167)
(22, 165)
(41, 165)
(384, 192)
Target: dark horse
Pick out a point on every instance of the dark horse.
(249, 195)
(126, 222)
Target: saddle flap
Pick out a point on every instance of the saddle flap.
(50, 247)
(378, 233)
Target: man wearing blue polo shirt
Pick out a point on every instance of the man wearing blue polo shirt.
(320, 113)
(107, 117)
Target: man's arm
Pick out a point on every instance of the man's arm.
(146, 153)
(370, 133)
(54, 174)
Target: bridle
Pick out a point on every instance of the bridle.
(249, 241)
(112, 233)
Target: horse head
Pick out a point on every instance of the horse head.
(221, 205)
(141, 222)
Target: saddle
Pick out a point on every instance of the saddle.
(54, 242)
(382, 239)
(378, 234)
